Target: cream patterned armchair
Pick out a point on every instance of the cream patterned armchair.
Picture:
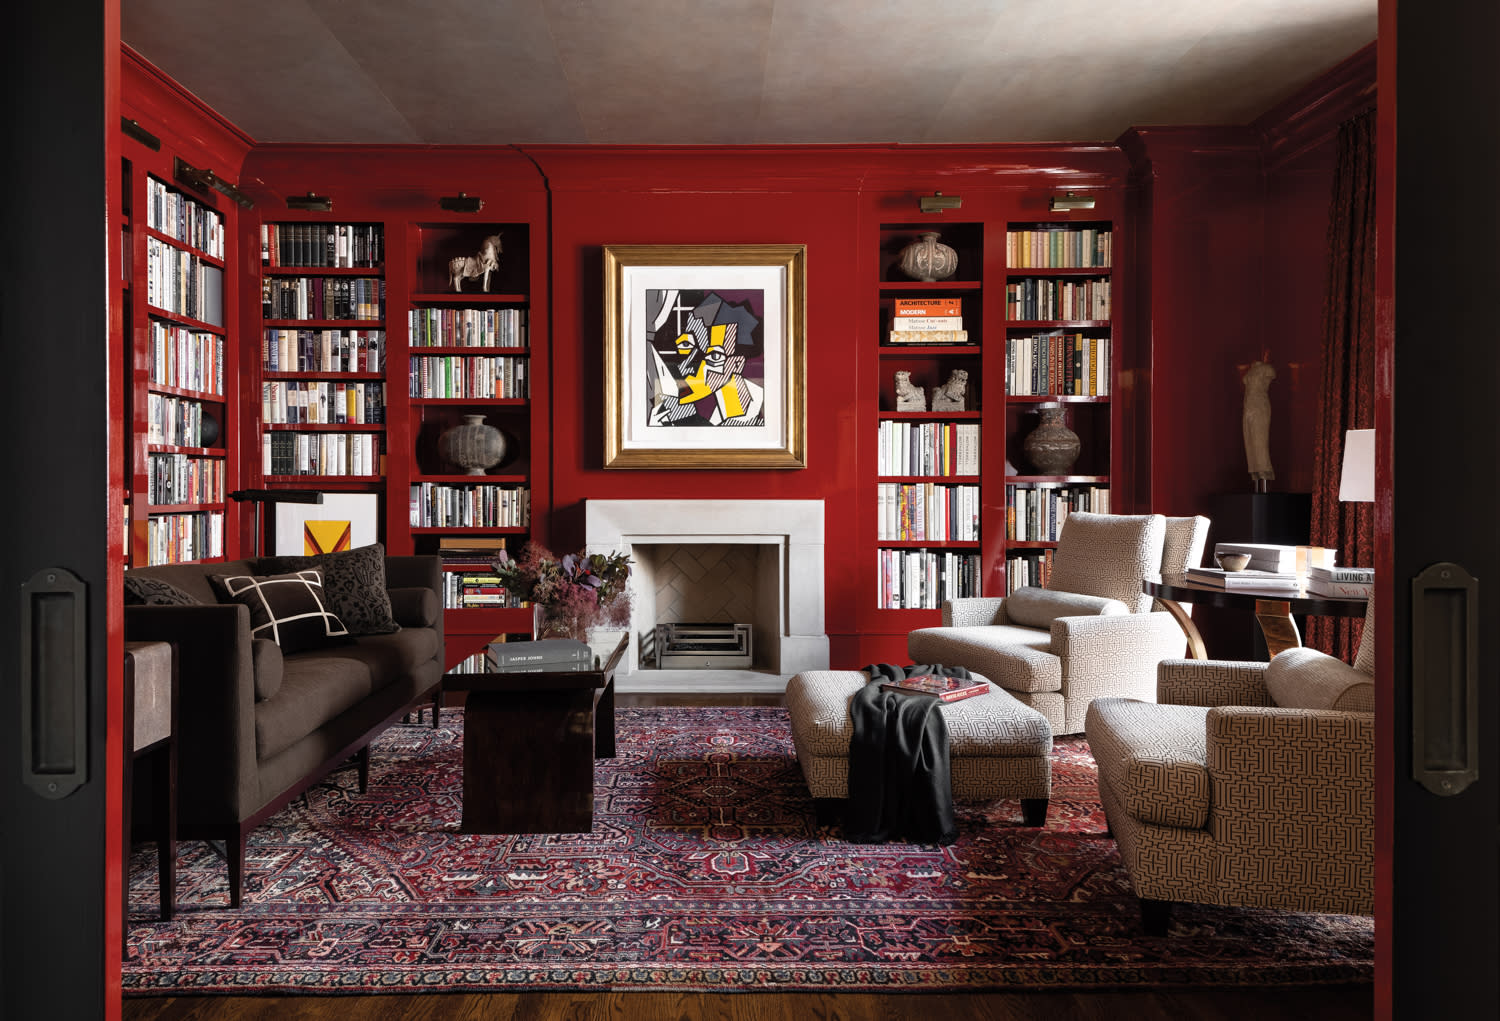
(1089, 633)
(1250, 784)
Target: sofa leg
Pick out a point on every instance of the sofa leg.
(437, 706)
(1034, 811)
(1155, 914)
(234, 851)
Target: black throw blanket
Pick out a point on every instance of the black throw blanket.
(898, 762)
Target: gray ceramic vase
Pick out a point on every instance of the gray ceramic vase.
(473, 446)
(1051, 447)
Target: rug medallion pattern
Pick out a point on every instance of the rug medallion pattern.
(705, 870)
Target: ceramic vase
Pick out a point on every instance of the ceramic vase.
(1051, 447)
(929, 259)
(473, 446)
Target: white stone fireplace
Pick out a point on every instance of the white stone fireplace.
(678, 545)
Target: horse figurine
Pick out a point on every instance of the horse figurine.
(467, 267)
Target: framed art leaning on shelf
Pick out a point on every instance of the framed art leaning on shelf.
(704, 356)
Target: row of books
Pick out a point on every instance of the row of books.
(477, 590)
(466, 327)
(323, 298)
(927, 512)
(294, 453)
(1037, 513)
(178, 538)
(185, 219)
(1059, 247)
(327, 245)
(189, 359)
(1067, 364)
(1349, 582)
(175, 421)
(1028, 568)
(321, 402)
(293, 350)
(928, 448)
(922, 579)
(471, 551)
(183, 478)
(438, 505)
(481, 376)
(1075, 300)
(183, 284)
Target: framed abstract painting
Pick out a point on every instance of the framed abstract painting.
(704, 356)
(342, 521)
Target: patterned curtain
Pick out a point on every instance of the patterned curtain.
(1347, 395)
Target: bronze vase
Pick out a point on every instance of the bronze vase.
(1051, 447)
(928, 259)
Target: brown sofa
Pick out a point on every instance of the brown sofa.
(256, 727)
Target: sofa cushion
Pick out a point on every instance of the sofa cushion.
(1030, 606)
(354, 581)
(316, 687)
(1154, 758)
(143, 590)
(415, 607)
(1309, 679)
(289, 609)
(393, 656)
(1109, 555)
(267, 663)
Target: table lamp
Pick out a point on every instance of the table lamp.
(1357, 481)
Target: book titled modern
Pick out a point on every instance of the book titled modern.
(949, 689)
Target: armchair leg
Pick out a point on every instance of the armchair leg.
(362, 758)
(1034, 811)
(1155, 914)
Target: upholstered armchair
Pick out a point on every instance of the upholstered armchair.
(1250, 784)
(1090, 632)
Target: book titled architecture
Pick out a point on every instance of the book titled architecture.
(949, 689)
(1284, 581)
(561, 653)
(925, 307)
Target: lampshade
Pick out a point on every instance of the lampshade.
(1357, 483)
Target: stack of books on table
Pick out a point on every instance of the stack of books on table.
(949, 689)
(1288, 582)
(547, 654)
(1350, 582)
(928, 321)
(1284, 559)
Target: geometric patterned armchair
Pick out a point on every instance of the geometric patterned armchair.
(1248, 784)
(1089, 633)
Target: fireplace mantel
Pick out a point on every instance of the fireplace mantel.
(793, 527)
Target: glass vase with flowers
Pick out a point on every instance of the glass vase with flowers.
(569, 595)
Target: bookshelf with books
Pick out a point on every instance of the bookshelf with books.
(468, 353)
(180, 356)
(1059, 354)
(949, 505)
(928, 426)
(322, 354)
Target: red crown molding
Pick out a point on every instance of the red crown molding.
(770, 168)
(190, 126)
(388, 174)
(1312, 115)
(1152, 150)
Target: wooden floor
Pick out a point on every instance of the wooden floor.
(1314, 1003)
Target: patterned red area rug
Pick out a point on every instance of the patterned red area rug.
(705, 871)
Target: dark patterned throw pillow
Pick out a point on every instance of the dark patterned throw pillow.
(141, 590)
(355, 583)
(289, 609)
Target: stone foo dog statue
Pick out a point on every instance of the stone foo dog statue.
(467, 267)
(951, 396)
(909, 396)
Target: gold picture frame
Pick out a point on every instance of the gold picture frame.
(704, 356)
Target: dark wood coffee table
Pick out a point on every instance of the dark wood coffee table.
(530, 740)
(1273, 608)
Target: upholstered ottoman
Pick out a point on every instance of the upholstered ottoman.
(998, 747)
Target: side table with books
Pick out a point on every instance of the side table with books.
(1273, 606)
(535, 718)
